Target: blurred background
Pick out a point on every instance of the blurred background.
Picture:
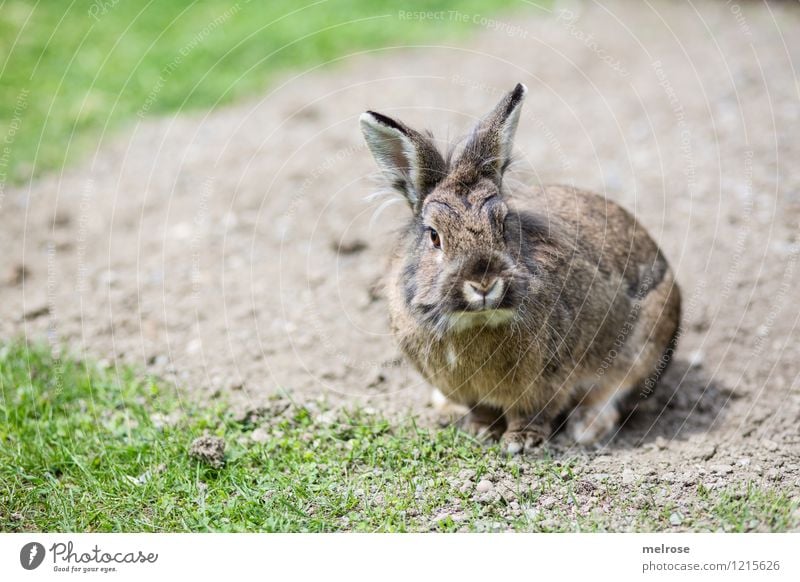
(90, 66)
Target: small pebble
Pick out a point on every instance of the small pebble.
(548, 501)
(696, 359)
(259, 435)
(484, 486)
(628, 477)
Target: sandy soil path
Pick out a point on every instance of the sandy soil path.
(233, 252)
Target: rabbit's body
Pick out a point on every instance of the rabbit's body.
(523, 307)
(601, 335)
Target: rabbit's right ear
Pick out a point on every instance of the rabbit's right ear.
(407, 158)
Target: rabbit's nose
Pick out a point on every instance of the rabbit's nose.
(483, 293)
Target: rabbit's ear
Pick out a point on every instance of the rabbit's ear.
(488, 149)
(407, 158)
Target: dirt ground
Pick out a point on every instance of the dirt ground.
(234, 253)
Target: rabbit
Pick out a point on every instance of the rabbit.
(524, 308)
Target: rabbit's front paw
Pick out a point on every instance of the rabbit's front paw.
(588, 425)
(484, 423)
(523, 436)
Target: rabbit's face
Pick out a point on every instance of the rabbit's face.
(463, 272)
(460, 270)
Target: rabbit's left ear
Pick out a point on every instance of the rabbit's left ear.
(408, 159)
(487, 152)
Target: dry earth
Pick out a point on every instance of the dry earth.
(234, 253)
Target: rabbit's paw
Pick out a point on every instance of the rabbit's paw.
(588, 425)
(447, 412)
(484, 423)
(524, 440)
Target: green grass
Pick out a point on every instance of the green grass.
(90, 449)
(70, 71)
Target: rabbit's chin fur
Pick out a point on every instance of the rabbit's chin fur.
(460, 321)
(578, 308)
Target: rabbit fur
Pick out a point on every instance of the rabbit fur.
(524, 307)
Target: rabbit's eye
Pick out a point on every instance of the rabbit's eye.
(435, 239)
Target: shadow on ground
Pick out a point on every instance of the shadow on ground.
(685, 402)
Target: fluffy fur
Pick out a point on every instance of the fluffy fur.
(521, 308)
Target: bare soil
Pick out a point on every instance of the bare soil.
(233, 253)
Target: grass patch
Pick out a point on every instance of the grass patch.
(90, 449)
(71, 71)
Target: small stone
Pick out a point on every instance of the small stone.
(707, 452)
(259, 435)
(455, 517)
(670, 477)
(531, 513)
(194, 346)
(628, 477)
(484, 486)
(774, 474)
(547, 501)
(743, 462)
(513, 448)
(327, 418)
(466, 474)
(696, 359)
(158, 360)
(722, 469)
(771, 446)
(208, 449)
(675, 519)
(661, 443)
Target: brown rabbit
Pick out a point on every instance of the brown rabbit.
(521, 308)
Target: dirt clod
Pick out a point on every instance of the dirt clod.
(16, 274)
(208, 449)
